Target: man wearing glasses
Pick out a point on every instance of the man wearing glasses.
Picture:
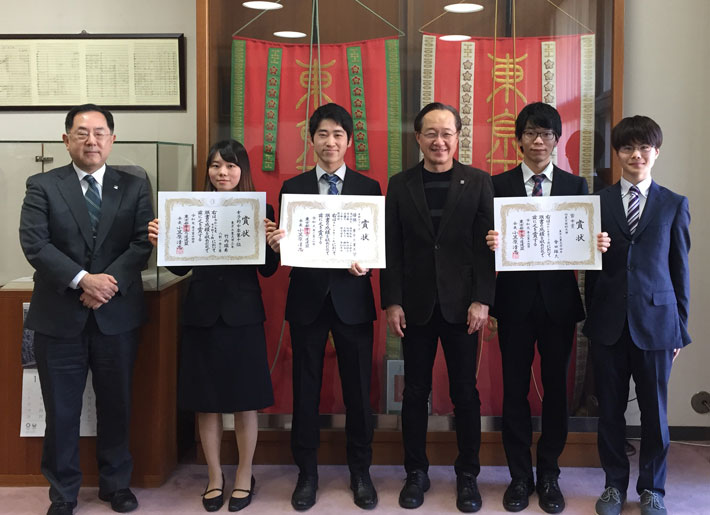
(637, 313)
(536, 307)
(438, 284)
(83, 228)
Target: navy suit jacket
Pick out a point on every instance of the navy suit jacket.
(308, 287)
(453, 266)
(57, 239)
(516, 291)
(645, 277)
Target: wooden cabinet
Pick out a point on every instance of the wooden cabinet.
(154, 417)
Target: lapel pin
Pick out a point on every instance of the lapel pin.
(461, 181)
(115, 187)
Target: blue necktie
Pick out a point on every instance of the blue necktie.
(93, 201)
(332, 183)
(634, 210)
(537, 188)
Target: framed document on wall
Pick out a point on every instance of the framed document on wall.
(118, 71)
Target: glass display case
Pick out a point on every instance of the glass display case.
(568, 54)
(167, 166)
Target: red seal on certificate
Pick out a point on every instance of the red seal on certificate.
(516, 255)
(179, 251)
(521, 233)
(186, 228)
(306, 231)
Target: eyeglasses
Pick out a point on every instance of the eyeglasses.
(82, 136)
(545, 135)
(630, 149)
(446, 136)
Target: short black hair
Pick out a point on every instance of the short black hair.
(85, 108)
(639, 130)
(331, 112)
(436, 106)
(538, 115)
(233, 152)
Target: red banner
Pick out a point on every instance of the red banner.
(276, 87)
(490, 81)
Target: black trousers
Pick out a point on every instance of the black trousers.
(460, 350)
(353, 347)
(651, 369)
(517, 339)
(63, 365)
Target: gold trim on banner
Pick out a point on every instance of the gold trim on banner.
(466, 92)
(548, 57)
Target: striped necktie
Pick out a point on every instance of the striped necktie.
(633, 212)
(332, 183)
(537, 188)
(93, 201)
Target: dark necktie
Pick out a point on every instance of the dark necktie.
(537, 188)
(332, 183)
(633, 212)
(93, 201)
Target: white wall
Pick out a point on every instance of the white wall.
(103, 16)
(666, 77)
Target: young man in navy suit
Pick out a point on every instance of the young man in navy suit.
(532, 308)
(83, 228)
(320, 301)
(637, 313)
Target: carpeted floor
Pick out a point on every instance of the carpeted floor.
(688, 490)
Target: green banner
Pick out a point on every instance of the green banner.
(239, 54)
(357, 103)
(271, 109)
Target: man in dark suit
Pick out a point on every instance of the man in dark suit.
(535, 307)
(83, 228)
(320, 301)
(439, 283)
(637, 313)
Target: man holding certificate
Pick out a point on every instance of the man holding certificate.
(340, 301)
(438, 284)
(532, 307)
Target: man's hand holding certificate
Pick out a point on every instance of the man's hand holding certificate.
(547, 233)
(333, 231)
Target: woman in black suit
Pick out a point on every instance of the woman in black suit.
(223, 364)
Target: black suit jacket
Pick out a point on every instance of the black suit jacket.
(454, 265)
(56, 237)
(516, 291)
(230, 291)
(308, 287)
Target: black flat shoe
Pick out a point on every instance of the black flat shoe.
(239, 503)
(412, 494)
(213, 503)
(364, 493)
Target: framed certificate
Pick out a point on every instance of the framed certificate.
(333, 231)
(548, 233)
(211, 228)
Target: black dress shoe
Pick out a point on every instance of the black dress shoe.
(121, 501)
(304, 495)
(412, 495)
(61, 508)
(364, 493)
(213, 503)
(239, 503)
(516, 495)
(551, 498)
(468, 498)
